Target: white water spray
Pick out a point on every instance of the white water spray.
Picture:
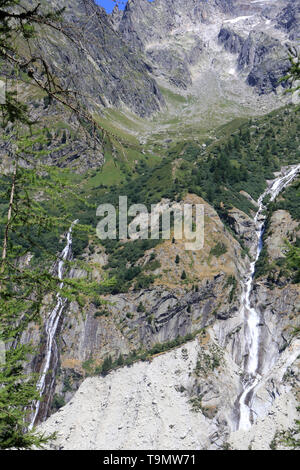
(52, 324)
(251, 316)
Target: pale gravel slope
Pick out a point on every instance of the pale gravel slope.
(140, 407)
(146, 407)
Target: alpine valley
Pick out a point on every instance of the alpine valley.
(187, 350)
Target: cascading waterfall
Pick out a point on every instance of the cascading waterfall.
(51, 326)
(252, 317)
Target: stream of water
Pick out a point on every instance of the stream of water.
(251, 315)
(51, 325)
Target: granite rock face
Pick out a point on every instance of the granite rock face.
(266, 59)
(168, 309)
(231, 41)
(248, 29)
(143, 23)
(289, 19)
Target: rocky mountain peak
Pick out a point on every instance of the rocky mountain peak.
(145, 21)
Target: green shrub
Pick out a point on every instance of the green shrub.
(57, 402)
(218, 250)
(144, 282)
(231, 281)
(107, 365)
(101, 313)
(141, 308)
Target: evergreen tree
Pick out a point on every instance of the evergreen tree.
(293, 76)
(141, 308)
(107, 365)
(120, 360)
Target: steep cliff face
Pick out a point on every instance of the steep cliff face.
(167, 32)
(171, 308)
(231, 40)
(277, 292)
(288, 19)
(93, 61)
(266, 60)
(165, 17)
(275, 297)
(103, 69)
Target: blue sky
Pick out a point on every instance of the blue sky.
(109, 4)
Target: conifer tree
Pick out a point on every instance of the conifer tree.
(293, 76)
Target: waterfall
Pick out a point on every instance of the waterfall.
(250, 314)
(51, 325)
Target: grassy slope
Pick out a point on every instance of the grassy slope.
(242, 156)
